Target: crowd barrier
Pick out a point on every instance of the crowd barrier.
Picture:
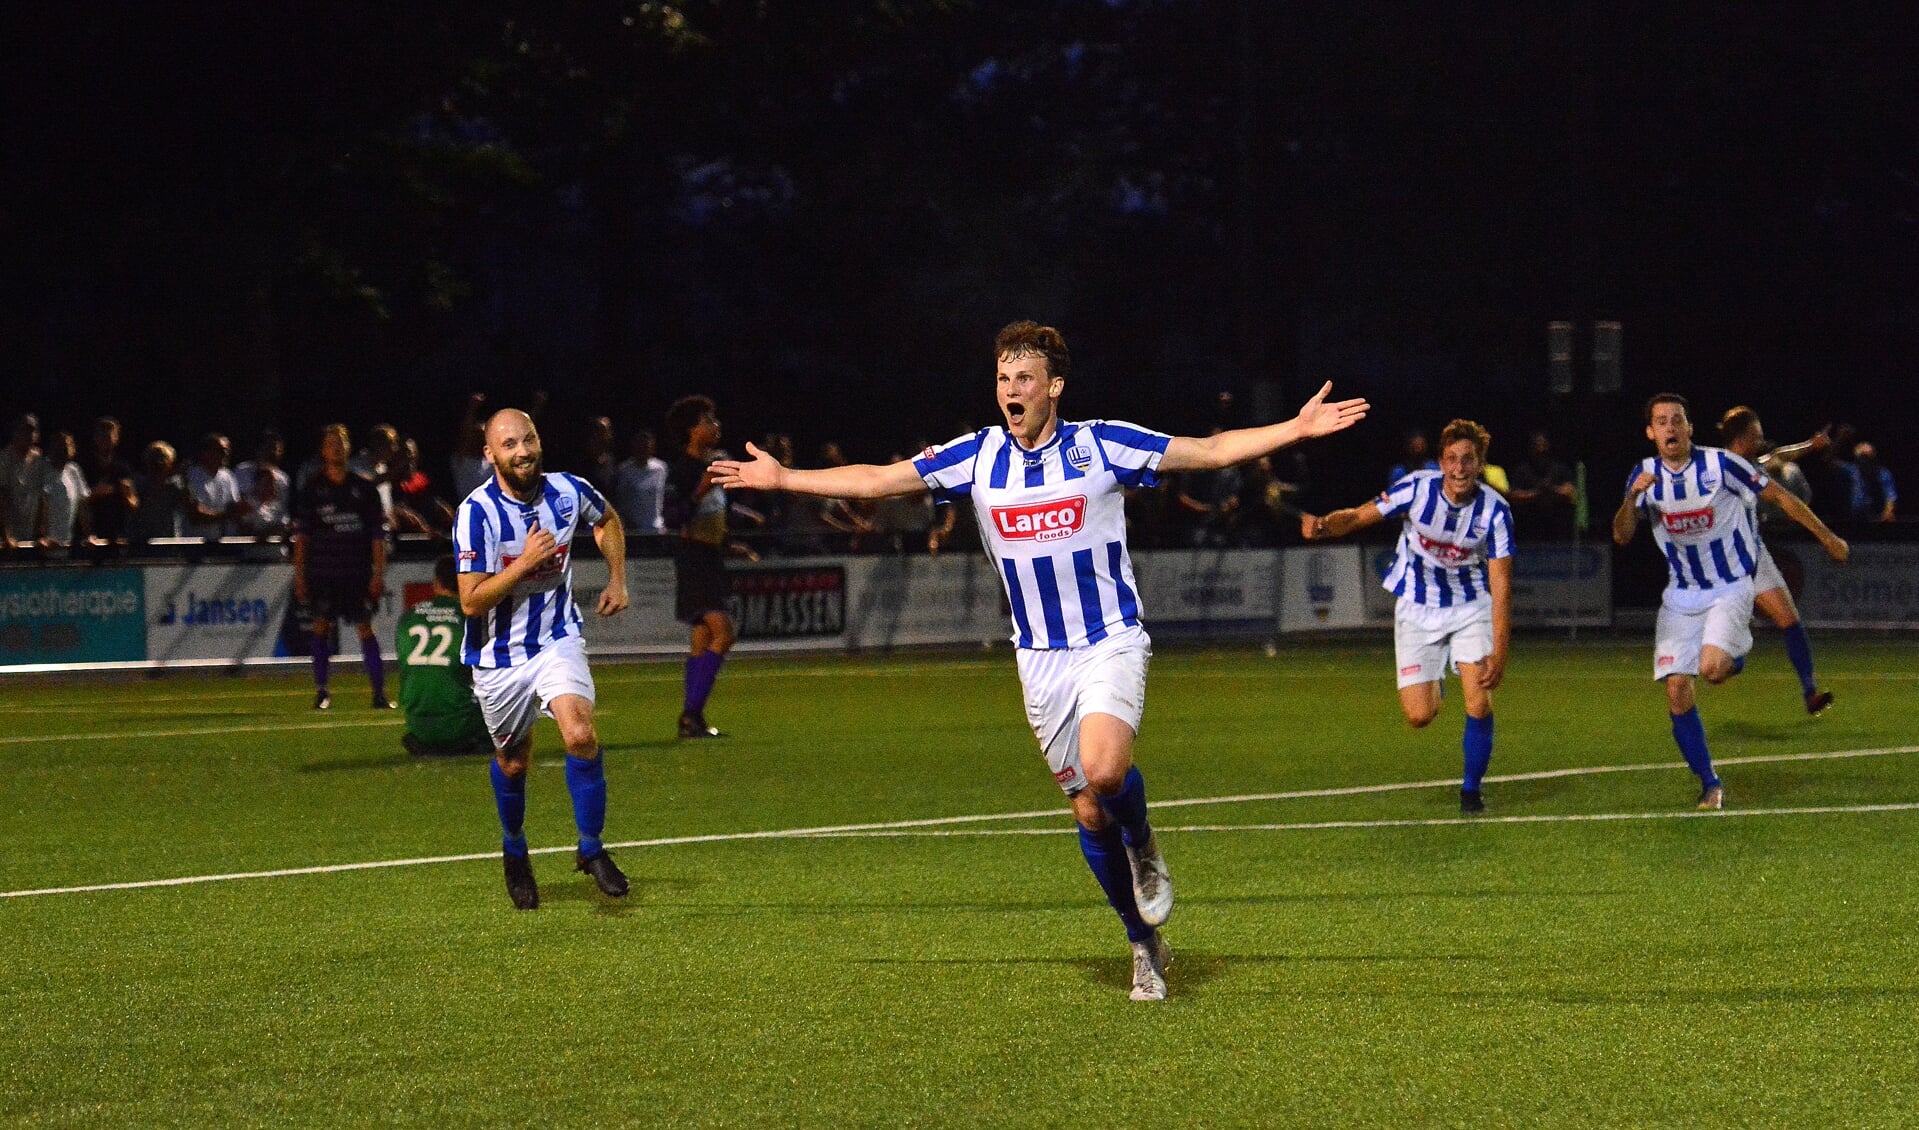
(216, 614)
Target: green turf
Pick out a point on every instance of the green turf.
(1736, 971)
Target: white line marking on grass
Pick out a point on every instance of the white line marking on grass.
(198, 731)
(932, 826)
(1435, 822)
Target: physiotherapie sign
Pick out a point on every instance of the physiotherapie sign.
(72, 616)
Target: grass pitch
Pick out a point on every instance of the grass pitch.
(1349, 958)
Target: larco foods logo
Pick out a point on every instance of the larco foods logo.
(1688, 522)
(1041, 521)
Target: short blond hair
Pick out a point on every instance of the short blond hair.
(1468, 430)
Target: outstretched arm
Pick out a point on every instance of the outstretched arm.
(1835, 546)
(1316, 418)
(858, 480)
(1340, 522)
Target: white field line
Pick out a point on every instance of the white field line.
(925, 827)
(200, 731)
(626, 675)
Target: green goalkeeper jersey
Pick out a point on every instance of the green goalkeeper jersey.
(436, 690)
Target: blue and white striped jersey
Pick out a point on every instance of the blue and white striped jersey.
(1054, 520)
(1443, 548)
(1703, 517)
(489, 534)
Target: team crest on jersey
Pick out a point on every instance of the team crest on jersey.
(1041, 521)
(1079, 456)
(1688, 522)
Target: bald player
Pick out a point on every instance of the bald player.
(512, 545)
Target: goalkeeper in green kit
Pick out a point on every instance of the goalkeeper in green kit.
(442, 716)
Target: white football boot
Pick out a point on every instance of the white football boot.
(1149, 969)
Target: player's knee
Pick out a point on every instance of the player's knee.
(581, 741)
(514, 761)
(1106, 780)
(1421, 716)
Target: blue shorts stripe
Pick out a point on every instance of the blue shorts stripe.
(1017, 600)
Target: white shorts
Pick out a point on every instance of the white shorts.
(1687, 623)
(1767, 576)
(513, 698)
(1064, 685)
(1426, 641)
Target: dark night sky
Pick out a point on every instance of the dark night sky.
(820, 214)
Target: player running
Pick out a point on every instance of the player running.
(1453, 576)
(513, 542)
(1702, 497)
(1047, 493)
(1741, 432)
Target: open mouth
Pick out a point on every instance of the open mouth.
(1015, 411)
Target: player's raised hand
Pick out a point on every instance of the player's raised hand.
(1318, 418)
(1312, 527)
(761, 472)
(1642, 483)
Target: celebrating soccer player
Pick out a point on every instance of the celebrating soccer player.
(513, 542)
(1048, 496)
(1702, 498)
(1745, 437)
(339, 561)
(1453, 576)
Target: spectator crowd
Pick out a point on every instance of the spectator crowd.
(95, 500)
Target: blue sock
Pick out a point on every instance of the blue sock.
(1127, 807)
(1478, 744)
(1690, 733)
(509, 796)
(1799, 650)
(1738, 664)
(1105, 853)
(586, 780)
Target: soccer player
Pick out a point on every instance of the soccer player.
(1453, 576)
(1048, 495)
(1702, 499)
(513, 541)
(1744, 436)
(695, 504)
(339, 561)
(436, 689)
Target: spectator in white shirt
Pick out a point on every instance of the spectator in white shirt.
(265, 488)
(639, 488)
(66, 492)
(213, 502)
